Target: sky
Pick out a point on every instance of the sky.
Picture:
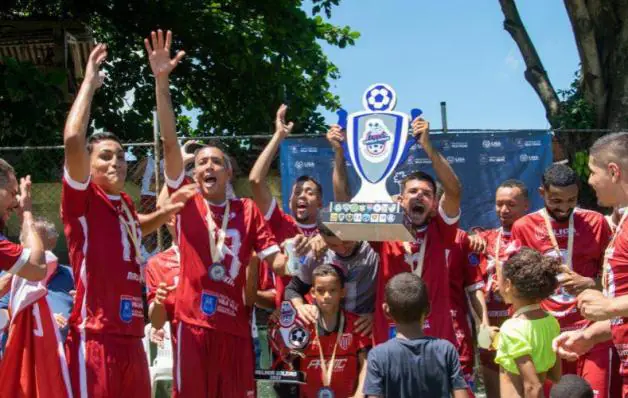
(455, 51)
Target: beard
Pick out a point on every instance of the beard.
(561, 217)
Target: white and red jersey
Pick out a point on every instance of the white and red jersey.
(284, 226)
(591, 236)
(12, 256)
(498, 310)
(102, 254)
(616, 285)
(163, 267)
(394, 259)
(206, 298)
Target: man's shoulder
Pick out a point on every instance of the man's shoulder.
(589, 216)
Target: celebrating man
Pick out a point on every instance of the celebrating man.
(578, 237)
(216, 237)
(434, 225)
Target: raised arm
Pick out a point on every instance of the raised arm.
(76, 156)
(259, 173)
(35, 266)
(450, 201)
(336, 136)
(161, 65)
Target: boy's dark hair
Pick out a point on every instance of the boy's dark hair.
(6, 171)
(305, 178)
(328, 270)
(532, 274)
(559, 175)
(407, 299)
(513, 183)
(571, 386)
(98, 137)
(420, 176)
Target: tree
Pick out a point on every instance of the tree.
(244, 58)
(598, 98)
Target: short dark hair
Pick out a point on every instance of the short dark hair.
(6, 171)
(532, 274)
(559, 175)
(328, 270)
(407, 298)
(571, 386)
(305, 178)
(514, 183)
(420, 176)
(98, 137)
(611, 148)
(228, 163)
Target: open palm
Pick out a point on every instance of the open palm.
(158, 51)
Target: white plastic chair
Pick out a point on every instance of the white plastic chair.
(161, 367)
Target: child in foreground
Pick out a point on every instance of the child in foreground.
(411, 364)
(524, 350)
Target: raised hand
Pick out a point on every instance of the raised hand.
(281, 127)
(25, 201)
(93, 76)
(158, 51)
(335, 136)
(421, 131)
(176, 201)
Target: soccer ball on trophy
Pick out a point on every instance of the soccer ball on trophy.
(379, 98)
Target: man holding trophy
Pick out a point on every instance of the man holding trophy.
(432, 224)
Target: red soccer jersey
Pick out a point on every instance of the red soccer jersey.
(163, 267)
(498, 310)
(441, 234)
(591, 235)
(102, 254)
(344, 379)
(616, 285)
(205, 297)
(284, 226)
(12, 256)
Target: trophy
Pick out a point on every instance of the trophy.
(376, 143)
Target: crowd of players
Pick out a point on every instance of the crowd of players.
(545, 291)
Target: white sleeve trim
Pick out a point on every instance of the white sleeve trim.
(78, 186)
(271, 209)
(268, 251)
(474, 287)
(176, 183)
(448, 220)
(19, 264)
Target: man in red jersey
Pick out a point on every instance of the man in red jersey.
(216, 237)
(306, 200)
(511, 203)
(609, 178)
(578, 237)
(434, 224)
(103, 232)
(28, 262)
(465, 280)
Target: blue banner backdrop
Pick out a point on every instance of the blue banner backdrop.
(481, 160)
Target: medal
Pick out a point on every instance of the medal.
(217, 271)
(325, 392)
(327, 370)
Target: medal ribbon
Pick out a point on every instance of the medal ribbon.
(611, 245)
(131, 230)
(327, 372)
(418, 270)
(498, 243)
(552, 237)
(217, 238)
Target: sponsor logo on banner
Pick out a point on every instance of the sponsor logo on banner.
(456, 159)
(304, 165)
(491, 144)
(524, 158)
(486, 159)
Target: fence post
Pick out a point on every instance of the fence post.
(157, 159)
(443, 115)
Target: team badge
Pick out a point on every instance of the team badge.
(474, 259)
(287, 314)
(126, 310)
(345, 341)
(209, 304)
(217, 272)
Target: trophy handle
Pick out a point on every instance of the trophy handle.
(342, 118)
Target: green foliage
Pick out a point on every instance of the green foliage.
(576, 112)
(244, 58)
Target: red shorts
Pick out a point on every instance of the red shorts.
(107, 365)
(464, 343)
(599, 367)
(213, 364)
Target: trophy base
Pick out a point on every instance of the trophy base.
(374, 222)
(280, 376)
